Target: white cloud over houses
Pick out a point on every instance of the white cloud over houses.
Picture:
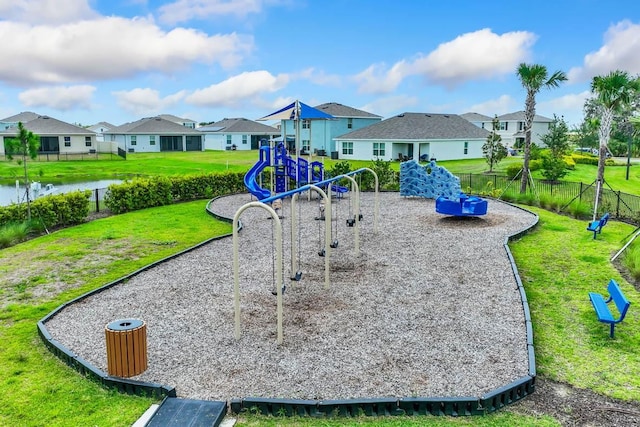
(146, 101)
(46, 11)
(390, 105)
(501, 105)
(109, 48)
(63, 98)
(235, 90)
(186, 10)
(570, 106)
(478, 55)
(619, 52)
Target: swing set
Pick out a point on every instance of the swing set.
(277, 238)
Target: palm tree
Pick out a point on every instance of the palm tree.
(533, 77)
(25, 144)
(613, 92)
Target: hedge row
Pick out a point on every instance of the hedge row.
(58, 210)
(142, 193)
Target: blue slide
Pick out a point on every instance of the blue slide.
(250, 179)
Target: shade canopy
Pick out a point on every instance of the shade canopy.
(297, 110)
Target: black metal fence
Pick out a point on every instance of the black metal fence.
(622, 206)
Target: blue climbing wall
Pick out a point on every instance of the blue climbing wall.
(430, 181)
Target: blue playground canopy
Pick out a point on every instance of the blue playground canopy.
(297, 111)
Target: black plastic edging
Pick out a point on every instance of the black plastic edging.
(451, 406)
(87, 369)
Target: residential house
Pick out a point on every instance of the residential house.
(56, 136)
(318, 135)
(179, 120)
(155, 134)
(414, 135)
(100, 128)
(236, 134)
(512, 127)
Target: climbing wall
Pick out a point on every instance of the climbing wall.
(430, 181)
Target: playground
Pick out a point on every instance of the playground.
(430, 307)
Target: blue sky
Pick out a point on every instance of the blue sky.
(86, 61)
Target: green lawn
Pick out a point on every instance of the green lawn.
(195, 162)
(559, 264)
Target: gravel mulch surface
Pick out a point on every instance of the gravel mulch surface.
(430, 307)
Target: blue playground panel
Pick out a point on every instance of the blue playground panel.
(465, 206)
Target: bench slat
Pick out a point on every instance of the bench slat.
(601, 308)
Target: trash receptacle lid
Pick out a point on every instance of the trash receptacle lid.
(125, 324)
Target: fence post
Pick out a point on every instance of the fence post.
(97, 201)
(618, 205)
(580, 193)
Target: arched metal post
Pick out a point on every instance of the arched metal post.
(236, 277)
(376, 208)
(327, 232)
(357, 211)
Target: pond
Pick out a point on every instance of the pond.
(10, 194)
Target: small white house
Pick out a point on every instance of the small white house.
(56, 136)
(512, 127)
(155, 134)
(236, 134)
(414, 135)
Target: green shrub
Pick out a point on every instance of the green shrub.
(145, 193)
(631, 259)
(513, 170)
(51, 211)
(13, 233)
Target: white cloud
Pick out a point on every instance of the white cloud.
(146, 101)
(619, 52)
(476, 56)
(237, 89)
(571, 106)
(390, 105)
(108, 48)
(502, 105)
(186, 10)
(317, 77)
(376, 79)
(46, 11)
(61, 98)
(472, 56)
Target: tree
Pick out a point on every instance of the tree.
(613, 93)
(557, 139)
(533, 77)
(25, 145)
(493, 150)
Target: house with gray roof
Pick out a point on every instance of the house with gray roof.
(414, 135)
(236, 134)
(191, 124)
(56, 137)
(512, 127)
(318, 135)
(154, 134)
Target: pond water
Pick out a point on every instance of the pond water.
(9, 194)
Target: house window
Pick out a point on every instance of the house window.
(347, 148)
(504, 126)
(466, 147)
(306, 145)
(134, 140)
(87, 141)
(67, 141)
(378, 148)
(306, 124)
(152, 140)
(228, 139)
(482, 125)
(349, 123)
(244, 139)
(520, 126)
